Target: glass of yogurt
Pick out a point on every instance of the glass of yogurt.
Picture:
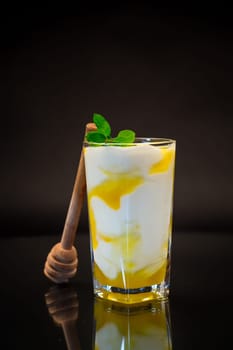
(130, 201)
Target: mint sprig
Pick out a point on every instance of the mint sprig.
(102, 125)
(103, 132)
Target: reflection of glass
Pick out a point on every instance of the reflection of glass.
(62, 303)
(130, 191)
(119, 328)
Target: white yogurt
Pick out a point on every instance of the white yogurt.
(132, 225)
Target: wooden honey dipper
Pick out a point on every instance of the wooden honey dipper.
(63, 307)
(62, 261)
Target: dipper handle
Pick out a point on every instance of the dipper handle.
(76, 202)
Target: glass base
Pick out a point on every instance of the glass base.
(133, 296)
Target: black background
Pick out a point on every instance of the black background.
(163, 72)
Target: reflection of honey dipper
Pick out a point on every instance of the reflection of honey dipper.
(62, 261)
(62, 305)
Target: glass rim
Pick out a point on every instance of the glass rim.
(154, 141)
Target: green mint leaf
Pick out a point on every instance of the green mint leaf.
(102, 124)
(103, 132)
(95, 136)
(124, 136)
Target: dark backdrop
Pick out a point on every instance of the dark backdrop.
(162, 72)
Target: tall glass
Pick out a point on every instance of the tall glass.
(130, 200)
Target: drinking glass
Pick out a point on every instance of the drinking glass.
(130, 204)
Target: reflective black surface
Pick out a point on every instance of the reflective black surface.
(36, 314)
